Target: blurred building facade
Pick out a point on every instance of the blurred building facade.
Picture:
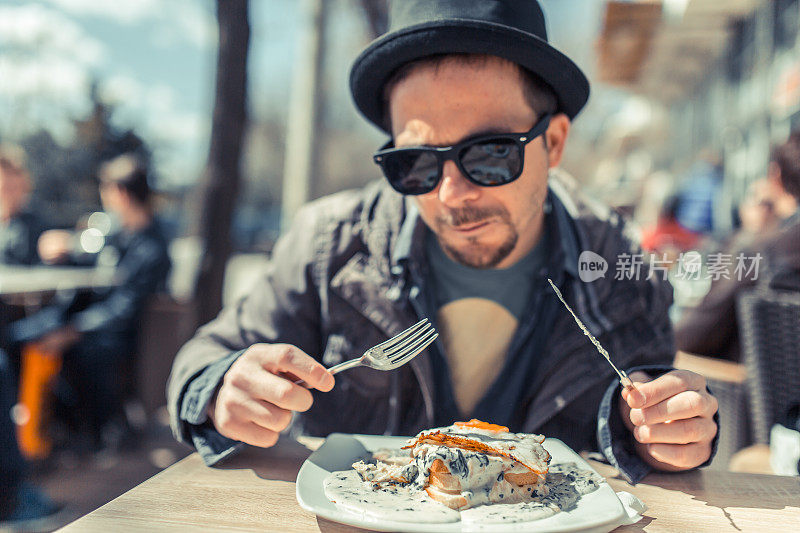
(726, 72)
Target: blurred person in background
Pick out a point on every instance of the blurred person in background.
(782, 178)
(19, 227)
(23, 507)
(757, 214)
(710, 329)
(699, 195)
(97, 335)
(668, 235)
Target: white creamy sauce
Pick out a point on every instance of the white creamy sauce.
(395, 502)
(566, 483)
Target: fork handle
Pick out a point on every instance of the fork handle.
(334, 370)
(347, 365)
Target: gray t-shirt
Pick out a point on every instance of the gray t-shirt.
(477, 312)
(509, 287)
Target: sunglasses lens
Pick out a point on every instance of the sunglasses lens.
(493, 162)
(411, 171)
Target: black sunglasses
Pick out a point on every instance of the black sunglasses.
(487, 160)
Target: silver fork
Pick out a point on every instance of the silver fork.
(392, 353)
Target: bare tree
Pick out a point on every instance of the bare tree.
(377, 13)
(221, 178)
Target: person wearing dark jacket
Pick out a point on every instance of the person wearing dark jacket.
(466, 232)
(96, 335)
(19, 228)
(711, 328)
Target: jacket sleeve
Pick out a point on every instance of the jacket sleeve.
(282, 307)
(143, 270)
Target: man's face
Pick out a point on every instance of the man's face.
(482, 227)
(14, 188)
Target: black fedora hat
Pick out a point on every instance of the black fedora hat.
(511, 29)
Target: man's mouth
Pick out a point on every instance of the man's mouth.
(472, 227)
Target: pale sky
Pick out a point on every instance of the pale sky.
(156, 58)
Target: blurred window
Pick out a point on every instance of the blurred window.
(742, 49)
(786, 18)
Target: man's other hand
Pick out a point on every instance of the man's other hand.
(671, 418)
(257, 396)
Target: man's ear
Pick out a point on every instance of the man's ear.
(556, 136)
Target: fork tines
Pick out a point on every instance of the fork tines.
(413, 341)
(415, 349)
(390, 343)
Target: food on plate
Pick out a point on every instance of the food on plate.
(469, 471)
(474, 463)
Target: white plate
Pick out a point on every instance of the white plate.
(598, 511)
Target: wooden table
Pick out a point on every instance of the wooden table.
(255, 491)
(34, 280)
(710, 367)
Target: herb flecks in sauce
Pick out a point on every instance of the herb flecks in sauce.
(564, 486)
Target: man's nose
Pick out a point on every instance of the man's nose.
(455, 189)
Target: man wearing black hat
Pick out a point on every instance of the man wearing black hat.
(478, 107)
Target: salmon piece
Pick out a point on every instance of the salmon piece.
(454, 500)
(441, 478)
(523, 478)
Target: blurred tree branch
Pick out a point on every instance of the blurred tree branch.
(377, 13)
(220, 182)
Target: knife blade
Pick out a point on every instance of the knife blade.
(624, 380)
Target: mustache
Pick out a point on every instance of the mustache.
(471, 215)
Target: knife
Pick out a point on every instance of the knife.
(624, 380)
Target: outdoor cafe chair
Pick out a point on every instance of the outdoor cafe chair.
(769, 325)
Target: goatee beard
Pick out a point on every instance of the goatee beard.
(476, 255)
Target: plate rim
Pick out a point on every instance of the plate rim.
(340, 516)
